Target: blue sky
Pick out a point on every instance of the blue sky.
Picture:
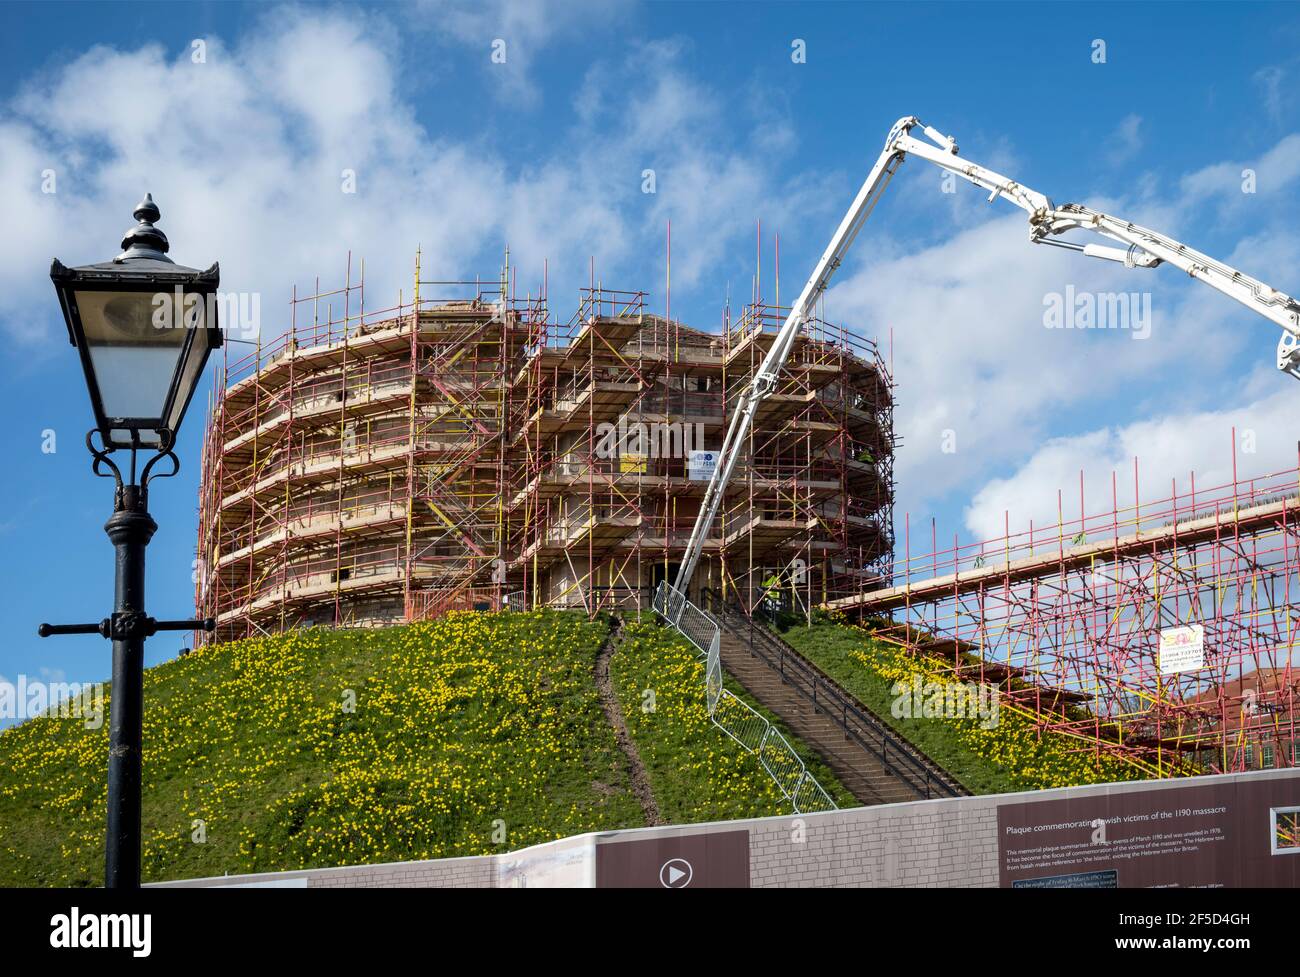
(545, 153)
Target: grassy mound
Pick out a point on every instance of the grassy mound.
(474, 734)
(327, 748)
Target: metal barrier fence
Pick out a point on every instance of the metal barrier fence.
(733, 715)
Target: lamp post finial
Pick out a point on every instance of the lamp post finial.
(145, 240)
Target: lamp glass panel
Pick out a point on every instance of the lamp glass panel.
(196, 356)
(135, 341)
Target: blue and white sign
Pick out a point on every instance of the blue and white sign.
(700, 465)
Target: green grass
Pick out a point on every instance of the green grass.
(1013, 756)
(697, 772)
(466, 726)
(474, 734)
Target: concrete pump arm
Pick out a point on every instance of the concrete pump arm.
(1141, 248)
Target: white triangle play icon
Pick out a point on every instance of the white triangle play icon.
(676, 873)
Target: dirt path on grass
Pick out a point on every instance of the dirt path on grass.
(614, 713)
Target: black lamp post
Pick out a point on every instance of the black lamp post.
(144, 327)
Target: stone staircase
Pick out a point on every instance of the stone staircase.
(874, 763)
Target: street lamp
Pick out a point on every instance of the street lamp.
(143, 327)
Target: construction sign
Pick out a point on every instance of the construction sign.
(1182, 649)
(700, 465)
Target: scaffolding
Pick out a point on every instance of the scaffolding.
(817, 479)
(464, 449)
(1068, 620)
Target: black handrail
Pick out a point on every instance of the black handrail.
(828, 698)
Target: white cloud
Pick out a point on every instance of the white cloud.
(1126, 140)
(1168, 448)
(1276, 170)
(972, 356)
(245, 154)
(1269, 79)
(522, 27)
(710, 188)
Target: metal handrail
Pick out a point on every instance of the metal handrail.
(827, 697)
(751, 729)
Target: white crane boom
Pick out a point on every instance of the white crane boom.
(1142, 248)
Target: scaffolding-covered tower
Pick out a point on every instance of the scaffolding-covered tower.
(465, 451)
